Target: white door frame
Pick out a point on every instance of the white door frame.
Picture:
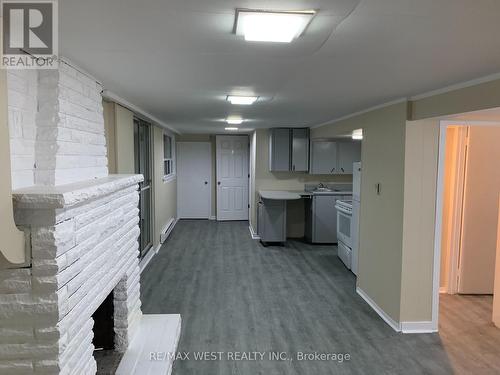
(209, 216)
(455, 230)
(443, 125)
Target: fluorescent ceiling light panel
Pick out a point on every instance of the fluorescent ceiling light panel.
(271, 26)
(357, 134)
(234, 120)
(231, 128)
(242, 100)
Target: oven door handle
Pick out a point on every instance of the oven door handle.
(341, 209)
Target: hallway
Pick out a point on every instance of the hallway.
(235, 295)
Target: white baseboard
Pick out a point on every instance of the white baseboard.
(212, 217)
(167, 229)
(145, 261)
(386, 318)
(253, 233)
(165, 233)
(443, 290)
(418, 327)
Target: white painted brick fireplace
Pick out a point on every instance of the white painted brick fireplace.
(84, 246)
(81, 226)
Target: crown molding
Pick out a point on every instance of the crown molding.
(106, 94)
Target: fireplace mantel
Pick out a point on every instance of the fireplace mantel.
(66, 196)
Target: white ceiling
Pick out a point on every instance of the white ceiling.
(178, 59)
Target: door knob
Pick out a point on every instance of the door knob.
(218, 182)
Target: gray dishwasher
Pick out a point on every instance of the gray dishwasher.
(321, 218)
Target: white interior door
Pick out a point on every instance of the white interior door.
(232, 177)
(194, 167)
(480, 211)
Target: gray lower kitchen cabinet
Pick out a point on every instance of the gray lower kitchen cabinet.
(321, 218)
(289, 150)
(348, 153)
(279, 150)
(271, 224)
(300, 150)
(323, 157)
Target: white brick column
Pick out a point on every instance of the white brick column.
(70, 142)
(56, 126)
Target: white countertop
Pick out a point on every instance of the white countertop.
(280, 195)
(287, 195)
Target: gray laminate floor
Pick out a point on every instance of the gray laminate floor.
(235, 295)
(468, 334)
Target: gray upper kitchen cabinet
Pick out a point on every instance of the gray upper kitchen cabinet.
(300, 150)
(289, 150)
(334, 156)
(347, 154)
(323, 157)
(279, 150)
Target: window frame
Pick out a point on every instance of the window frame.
(171, 160)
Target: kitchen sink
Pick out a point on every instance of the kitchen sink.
(322, 189)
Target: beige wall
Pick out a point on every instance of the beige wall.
(473, 98)
(124, 132)
(416, 303)
(480, 215)
(205, 138)
(119, 124)
(381, 216)
(421, 160)
(266, 180)
(165, 192)
(12, 244)
(119, 127)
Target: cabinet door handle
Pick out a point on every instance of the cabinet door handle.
(218, 182)
(206, 182)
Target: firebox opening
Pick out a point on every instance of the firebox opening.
(104, 334)
(107, 358)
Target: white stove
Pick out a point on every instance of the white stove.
(344, 232)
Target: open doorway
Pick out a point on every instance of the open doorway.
(468, 197)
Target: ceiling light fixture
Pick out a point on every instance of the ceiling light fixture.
(241, 100)
(234, 120)
(231, 128)
(357, 134)
(271, 26)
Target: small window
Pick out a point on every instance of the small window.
(168, 158)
